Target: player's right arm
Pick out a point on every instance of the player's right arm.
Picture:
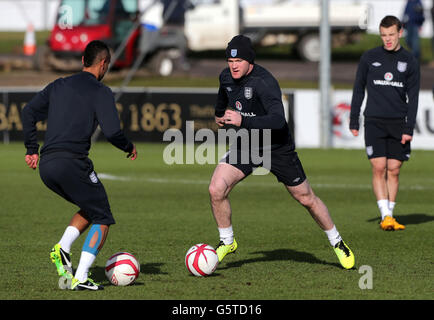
(220, 107)
(34, 111)
(358, 95)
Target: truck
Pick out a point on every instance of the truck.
(212, 24)
(209, 25)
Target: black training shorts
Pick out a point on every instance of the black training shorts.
(285, 164)
(383, 139)
(74, 179)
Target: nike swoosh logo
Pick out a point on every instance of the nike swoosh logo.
(65, 258)
(90, 287)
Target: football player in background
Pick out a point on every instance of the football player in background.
(390, 75)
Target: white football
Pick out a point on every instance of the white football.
(201, 260)
(122, 269)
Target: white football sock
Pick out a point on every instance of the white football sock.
(86, 260)
(383, 205)
(226, 235)
(391, 207)
(333, 236)
(69, 236)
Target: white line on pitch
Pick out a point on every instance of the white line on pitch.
(105, 176)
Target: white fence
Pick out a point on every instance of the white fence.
(307, 120)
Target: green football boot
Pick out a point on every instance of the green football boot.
(222, 249)
(62, 260)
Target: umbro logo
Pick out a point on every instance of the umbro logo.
(376, 64)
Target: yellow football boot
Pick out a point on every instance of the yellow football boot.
(345, 255)
(222, 249)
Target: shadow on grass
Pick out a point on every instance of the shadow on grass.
(412, 218)
(281, 255)
(98, 273)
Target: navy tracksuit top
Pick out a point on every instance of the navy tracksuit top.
(73, 106)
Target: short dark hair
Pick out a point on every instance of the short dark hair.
(95, 51)
(389, 21)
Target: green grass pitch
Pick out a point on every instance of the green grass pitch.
(162, 210)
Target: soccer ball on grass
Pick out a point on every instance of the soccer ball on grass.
(201, 260)
(122, 269)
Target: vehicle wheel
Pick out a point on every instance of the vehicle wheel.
(162, 64)
(41, 58)
(309, 47)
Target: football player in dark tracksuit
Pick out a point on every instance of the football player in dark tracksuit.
(73, 107)
(391, 76)
(250, 98)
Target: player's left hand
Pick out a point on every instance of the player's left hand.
(233, 117)
(406, 138)
(32, 160)
(354, 132)
(133, 154)
(220, 121)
